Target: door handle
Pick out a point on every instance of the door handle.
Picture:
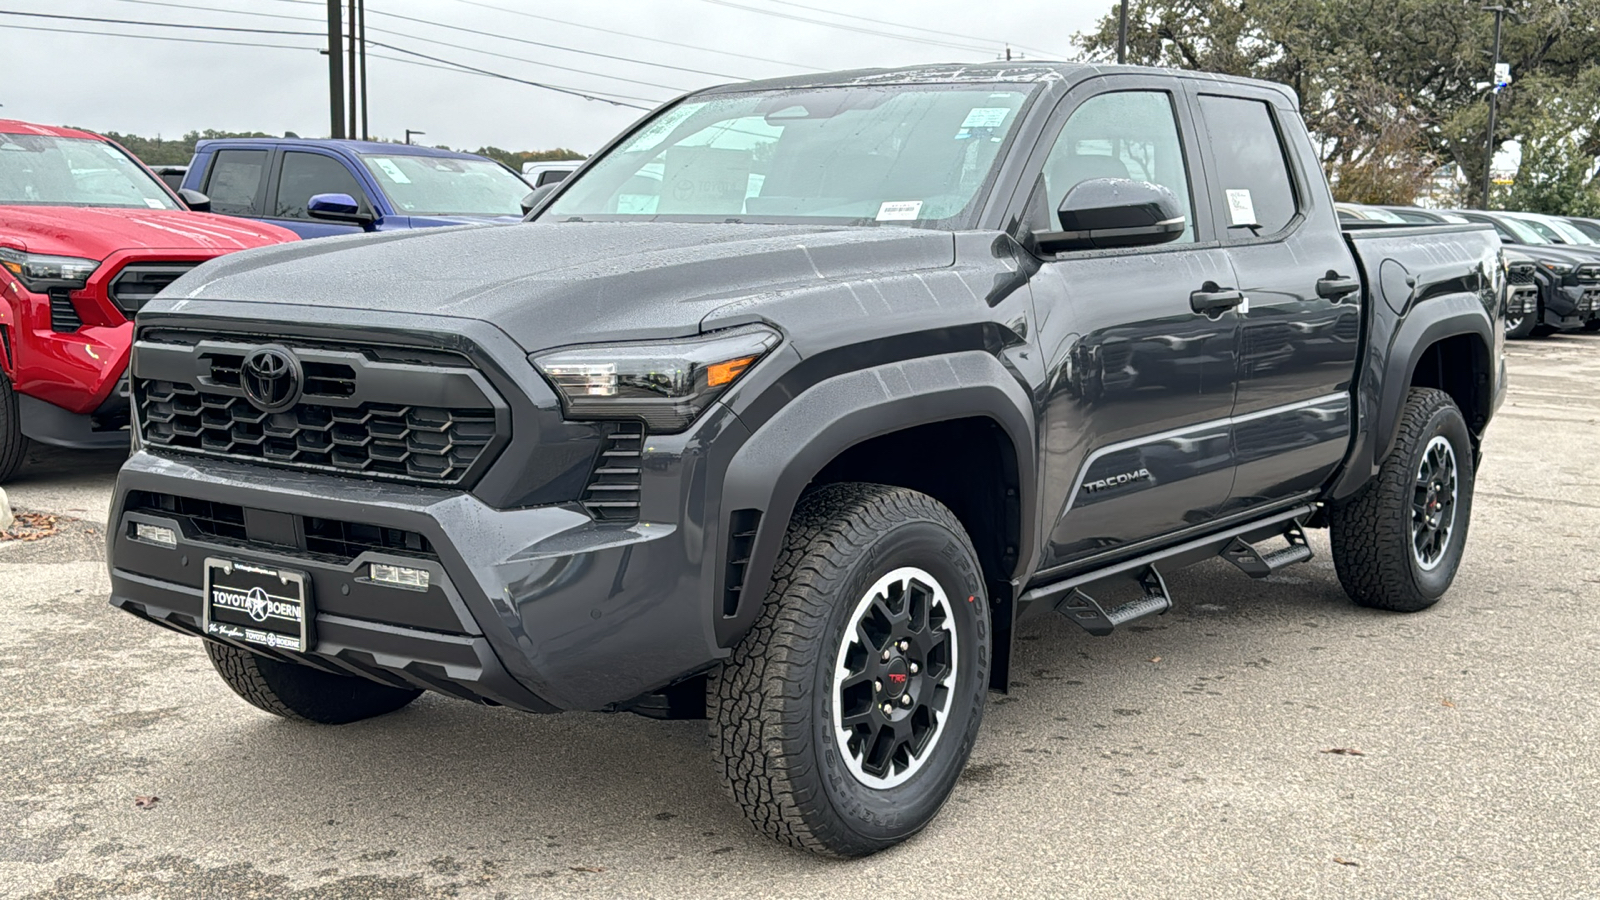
(1211, 298)
(1335, 286)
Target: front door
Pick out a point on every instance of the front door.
(1300, 325)
(1135, 432)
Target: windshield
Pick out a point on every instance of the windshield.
(1523, 232)
(902, 155)
(1568, 233)
(39, 170)
(445, 186)
(1543, 230)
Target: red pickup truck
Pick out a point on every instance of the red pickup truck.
(87, 235)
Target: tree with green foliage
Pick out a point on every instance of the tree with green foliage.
(1391, 84)
(158, 151)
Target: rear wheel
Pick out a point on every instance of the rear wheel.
(12, 443)
(844, 717)
(302, 693)
(1521, 326)
(1398, 543)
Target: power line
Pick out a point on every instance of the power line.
(641, 37)
(105, 21)
(501, 75)
(160, 37)
(459, 71)
(910, 27)
(232, 12)
(520, 59)
(970, 48)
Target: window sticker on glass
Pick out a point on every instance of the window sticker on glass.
(392, 170)
(1241, 210)
(986, 118)
(111, 152)
(899, 210)
(153, 203)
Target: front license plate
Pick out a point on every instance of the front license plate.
(257, 604)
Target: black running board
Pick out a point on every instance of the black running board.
(1253, 563)
(1068, 595)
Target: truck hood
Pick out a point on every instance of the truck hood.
(563, 283)
(432, 221)
(97, 232)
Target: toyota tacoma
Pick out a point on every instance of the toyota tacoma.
(792, 403)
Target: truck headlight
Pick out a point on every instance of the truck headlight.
(1560, 269)
(668, 384)
(39, 273)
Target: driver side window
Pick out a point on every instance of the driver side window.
(1128, 134)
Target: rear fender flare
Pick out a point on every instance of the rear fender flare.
(773, 468)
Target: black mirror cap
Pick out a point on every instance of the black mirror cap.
(195, 200)
(1115, 212)
(537, 196)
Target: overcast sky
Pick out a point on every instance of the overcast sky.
(151, 87)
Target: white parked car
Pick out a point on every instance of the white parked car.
(540, 174)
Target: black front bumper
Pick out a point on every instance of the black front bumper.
(540, 609)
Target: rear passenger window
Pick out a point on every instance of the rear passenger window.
(305, 175)
(1251, 167)
(235, 181)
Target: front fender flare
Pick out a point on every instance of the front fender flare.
(773, 468)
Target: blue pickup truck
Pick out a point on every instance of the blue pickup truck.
(321, 188)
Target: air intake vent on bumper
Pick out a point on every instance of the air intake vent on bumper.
(613, 491)
(63, 314)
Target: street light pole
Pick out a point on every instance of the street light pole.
(335, 71)
(1494, 97)
(1122, 32)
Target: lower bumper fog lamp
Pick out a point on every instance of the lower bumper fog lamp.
(155, 534)
(399, 576)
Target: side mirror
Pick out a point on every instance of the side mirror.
(536, 196)
(337, 208)
(195, 200)
(1115, 212)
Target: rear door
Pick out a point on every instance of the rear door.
(1300, 324)
(1134, 424)
(301, 175)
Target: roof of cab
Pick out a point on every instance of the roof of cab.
(352, 146)
(1000, 72)
(13, 126)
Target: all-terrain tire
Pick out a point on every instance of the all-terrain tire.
(1374, 534)
(777, 744)
(302, 693)
(12, 443)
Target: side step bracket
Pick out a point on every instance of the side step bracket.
(1088, 613)
(1253, 563)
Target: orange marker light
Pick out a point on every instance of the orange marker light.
(725, 372)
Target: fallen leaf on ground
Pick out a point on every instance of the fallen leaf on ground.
(595, 869)
(31, 527)
(1446, 702)
(145, 802)
(1346, 862)
(1344, 751)
(1155, 659)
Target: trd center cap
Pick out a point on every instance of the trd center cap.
(896, 678)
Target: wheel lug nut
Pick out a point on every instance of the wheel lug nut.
(888, 708)
(913, 668)
(885, 656)
(905, 699)
(904, 646)
(877, 686)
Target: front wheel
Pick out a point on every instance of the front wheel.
(12, 443)
(845, 716)
(1397, 544)
(301, 693)
(1521, 326)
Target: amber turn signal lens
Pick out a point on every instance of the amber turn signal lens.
(725, 372)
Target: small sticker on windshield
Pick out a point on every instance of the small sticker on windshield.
(111, 152)
(1241, 209)
(392, 170)
(153, 203)
(985, 117)
(899, 210)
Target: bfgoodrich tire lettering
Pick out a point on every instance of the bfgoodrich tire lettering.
(302, 693)
(773, 703)
(1375, 536)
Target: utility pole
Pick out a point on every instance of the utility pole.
(409, 133)
(1494, 96)
(1122, 32)
(361, 11)
(335, 71)
(351, 28)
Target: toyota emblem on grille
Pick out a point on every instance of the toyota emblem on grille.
(271, 379)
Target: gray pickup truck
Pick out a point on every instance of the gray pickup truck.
(788, 406)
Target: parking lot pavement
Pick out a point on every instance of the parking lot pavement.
(1186, 757)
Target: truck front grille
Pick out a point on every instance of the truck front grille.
(138, 283)
(1520, 273)
(357, 413)
(330, 538)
